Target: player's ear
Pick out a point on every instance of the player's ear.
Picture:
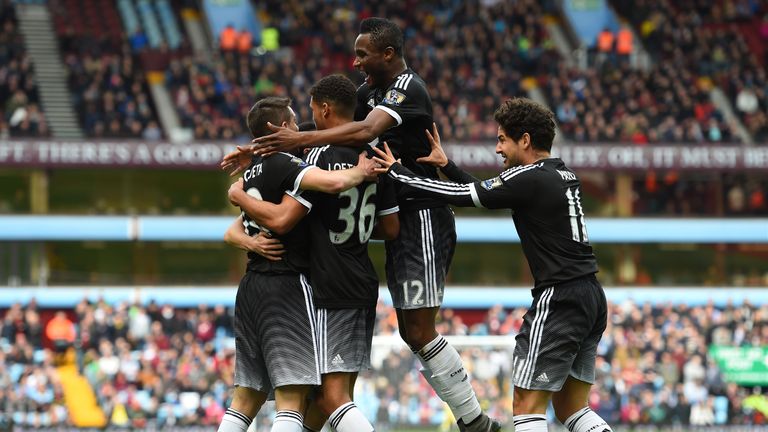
(527, 140)
(326, 109)
(389, 53)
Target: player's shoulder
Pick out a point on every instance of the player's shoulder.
(408, 82)
(282, 160)
(315, 154)
(522, 171)
(364, 90)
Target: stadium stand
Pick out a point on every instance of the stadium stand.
(108, 86)
(469, 66)
(20, 111)
(153, 364)
(614, 103)
(717, 43)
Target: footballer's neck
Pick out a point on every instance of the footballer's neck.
(396, 69)
(334, 121)
(539, 155)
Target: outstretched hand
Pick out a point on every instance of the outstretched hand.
(437, 156)
(282, 139)
(237, 161)
(385, 159)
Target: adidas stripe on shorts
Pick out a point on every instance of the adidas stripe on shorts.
(275, 335)
(418, 260)
(344, 339)
(559, 335)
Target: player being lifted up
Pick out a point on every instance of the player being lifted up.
(394, 106)
(557, 344)
(275, 335)
(345, 284)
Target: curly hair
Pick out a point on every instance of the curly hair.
(271, 109)
(384, 33)
(336, 90)
(520, 115)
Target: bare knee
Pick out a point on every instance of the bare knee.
(417, 337)
(530, 401)
(417, 327)
(247, 401)
(571, 398)
(334, 392)
(329, 402)
(564, 408)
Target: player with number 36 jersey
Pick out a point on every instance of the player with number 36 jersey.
(340, 226)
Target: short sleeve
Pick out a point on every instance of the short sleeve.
(386, 197)
(288, 170)
(364, 102)
(405, 98)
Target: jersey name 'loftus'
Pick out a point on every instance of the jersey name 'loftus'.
(339, 166)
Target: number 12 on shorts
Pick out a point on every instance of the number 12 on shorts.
(413, 292)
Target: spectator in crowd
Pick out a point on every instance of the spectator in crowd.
(139, 40)
(20, 113)
(228, 38)
(60, 331)
(244, 42)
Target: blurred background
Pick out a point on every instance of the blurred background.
(117, 290)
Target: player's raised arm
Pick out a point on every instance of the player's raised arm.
(439, 159)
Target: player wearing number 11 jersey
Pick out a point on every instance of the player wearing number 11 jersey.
(556, 347)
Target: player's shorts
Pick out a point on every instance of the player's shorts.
(559, 335)
(418, 260)
(344, 339)
(275, 336)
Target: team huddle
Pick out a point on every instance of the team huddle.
(312, 196)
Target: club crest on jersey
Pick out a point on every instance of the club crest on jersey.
(491, 183)
(298, 161)
(394, 97)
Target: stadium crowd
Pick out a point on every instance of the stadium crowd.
(171, 367)
(720, 43)
(612, 102)
(481, 58)
(470, 65)
(107, 81)
(20, 112)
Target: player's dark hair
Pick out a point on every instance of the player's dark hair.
(520, 115)
(336, 90)
(384, 33)
(271, 109)
(307, 126)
